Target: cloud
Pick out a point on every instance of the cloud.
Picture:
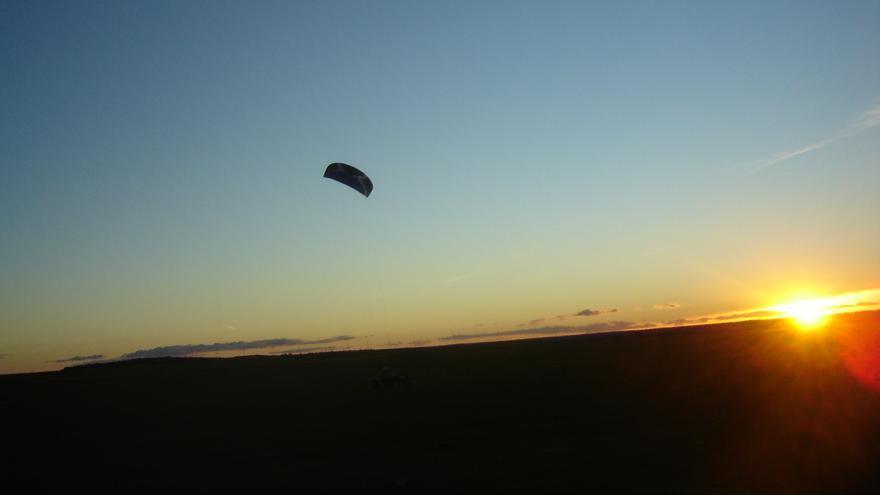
(866, 120)
(747, 315)
(75, 359)
(781, 156)
(861, 304)
(190, 349)
(594, 312)
(303, 350)
(719, 318)
(667, 306)
(687, 321)
(537, 321)
(338, 338)
(609, 326)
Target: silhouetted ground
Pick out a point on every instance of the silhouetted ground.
(752, 407)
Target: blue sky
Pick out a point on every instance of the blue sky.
(161, 176)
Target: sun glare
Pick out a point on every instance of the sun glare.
(813, 311)
(808, 313)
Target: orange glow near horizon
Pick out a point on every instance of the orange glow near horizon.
(808, 313)
(812, 312)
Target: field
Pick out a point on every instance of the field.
(749, 407)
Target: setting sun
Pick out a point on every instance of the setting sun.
(812, 312)
(808, 313)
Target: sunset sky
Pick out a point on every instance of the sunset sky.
(161, 168)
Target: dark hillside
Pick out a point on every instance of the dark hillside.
(751, 407)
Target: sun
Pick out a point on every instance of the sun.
(808, 313)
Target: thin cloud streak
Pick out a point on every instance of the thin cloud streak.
(869, 118)
(866, 120)
(594, 312)
(727, 317)
(76, 359)
(191, 349)
(609, 326)
(667, 306)
(304, 350)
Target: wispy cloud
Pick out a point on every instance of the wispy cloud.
(866, 120)
(594, 312)
(304, 350)
(585, 312)
(667, 306)
(191, 349)
(457, 278)
(609, 326)
(720, 318)
(77, 359)
(862, 304)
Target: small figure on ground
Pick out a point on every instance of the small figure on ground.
(389, 378)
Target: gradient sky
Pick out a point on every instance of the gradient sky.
(160, 176)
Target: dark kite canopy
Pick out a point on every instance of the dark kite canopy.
(350, 176)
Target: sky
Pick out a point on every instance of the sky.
(161, 168)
